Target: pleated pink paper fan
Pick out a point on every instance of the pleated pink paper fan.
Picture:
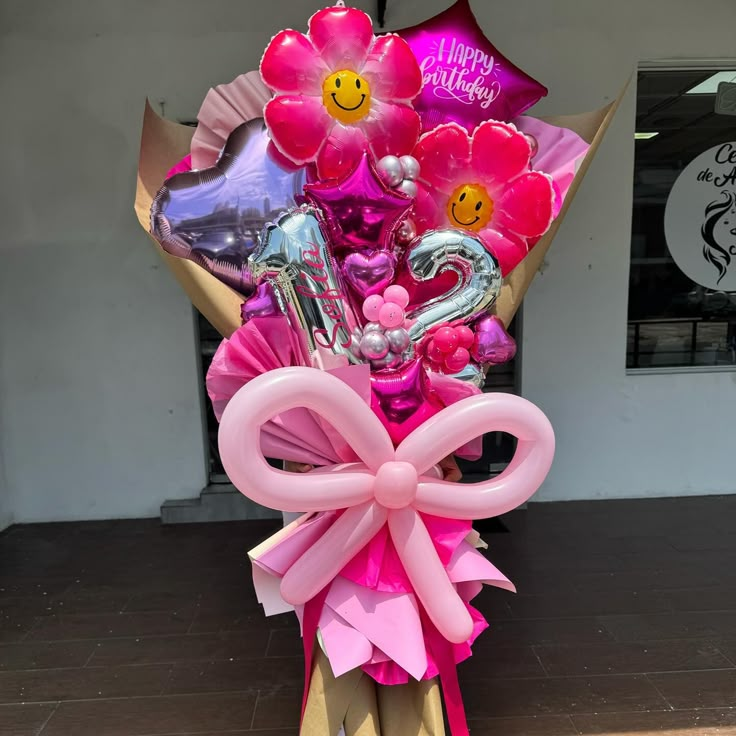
(225, 108)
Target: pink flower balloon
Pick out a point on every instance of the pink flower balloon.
(466, 79)
(389, 486)
(483, 183)
(339, 91)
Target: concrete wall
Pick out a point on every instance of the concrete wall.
(99, 408)
(6, 502)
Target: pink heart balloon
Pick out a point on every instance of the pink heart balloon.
(369, 273)
(262, 304)
(492, 343)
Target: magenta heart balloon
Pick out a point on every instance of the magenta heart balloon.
(369, 273)
(492, 343)
(262, 304)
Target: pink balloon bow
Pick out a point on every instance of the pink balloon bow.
(389, 486)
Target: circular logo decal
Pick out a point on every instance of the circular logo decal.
(700, 219)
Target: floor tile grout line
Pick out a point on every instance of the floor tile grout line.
(217, 632)
(126, 665)
(255, 709)
(539, 659)
(92, 654)
(118, 698)
(128, 602)
(209, 658)
(268, 643)
(571, 719)
(661, 694)
(716, 645)
(588, 675)
(195, 616)
(169, 678)
(51, 715)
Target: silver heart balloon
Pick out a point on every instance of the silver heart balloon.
(478, 283)
(214, 216)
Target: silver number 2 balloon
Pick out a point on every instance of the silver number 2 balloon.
(293, 256)
(477, 288)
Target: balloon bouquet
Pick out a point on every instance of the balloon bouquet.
(366, 197)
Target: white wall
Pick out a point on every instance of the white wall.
(99, 409)
(6, 502)
(618, 435)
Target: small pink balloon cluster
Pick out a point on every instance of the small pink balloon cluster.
(384, 340)
(447, 348)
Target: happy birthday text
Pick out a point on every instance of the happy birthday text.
(459, 71)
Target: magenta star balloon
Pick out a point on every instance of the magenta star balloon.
(360, 210)
(466, 78)
(403, 399)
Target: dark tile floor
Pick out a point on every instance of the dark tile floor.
(625, 623)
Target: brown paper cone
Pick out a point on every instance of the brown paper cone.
(368, 709)
(163, 143)
(591, 127)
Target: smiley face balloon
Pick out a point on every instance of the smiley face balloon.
(470, 207)
(346, 96)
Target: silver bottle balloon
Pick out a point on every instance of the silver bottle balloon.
(472, 373)
(294, 257)
(478, 272)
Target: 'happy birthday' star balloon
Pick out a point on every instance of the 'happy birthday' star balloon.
(466, 78)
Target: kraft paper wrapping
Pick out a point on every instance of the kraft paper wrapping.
(164, 143)
(368, 709)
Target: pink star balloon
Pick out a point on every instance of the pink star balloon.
(360, 210)
(403, 399)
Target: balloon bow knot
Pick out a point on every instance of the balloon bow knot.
(389, 487)
(396, 484)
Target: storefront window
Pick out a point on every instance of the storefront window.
(682, 284)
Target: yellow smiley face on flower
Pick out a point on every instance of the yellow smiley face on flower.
(347, 96)
(470, 207)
